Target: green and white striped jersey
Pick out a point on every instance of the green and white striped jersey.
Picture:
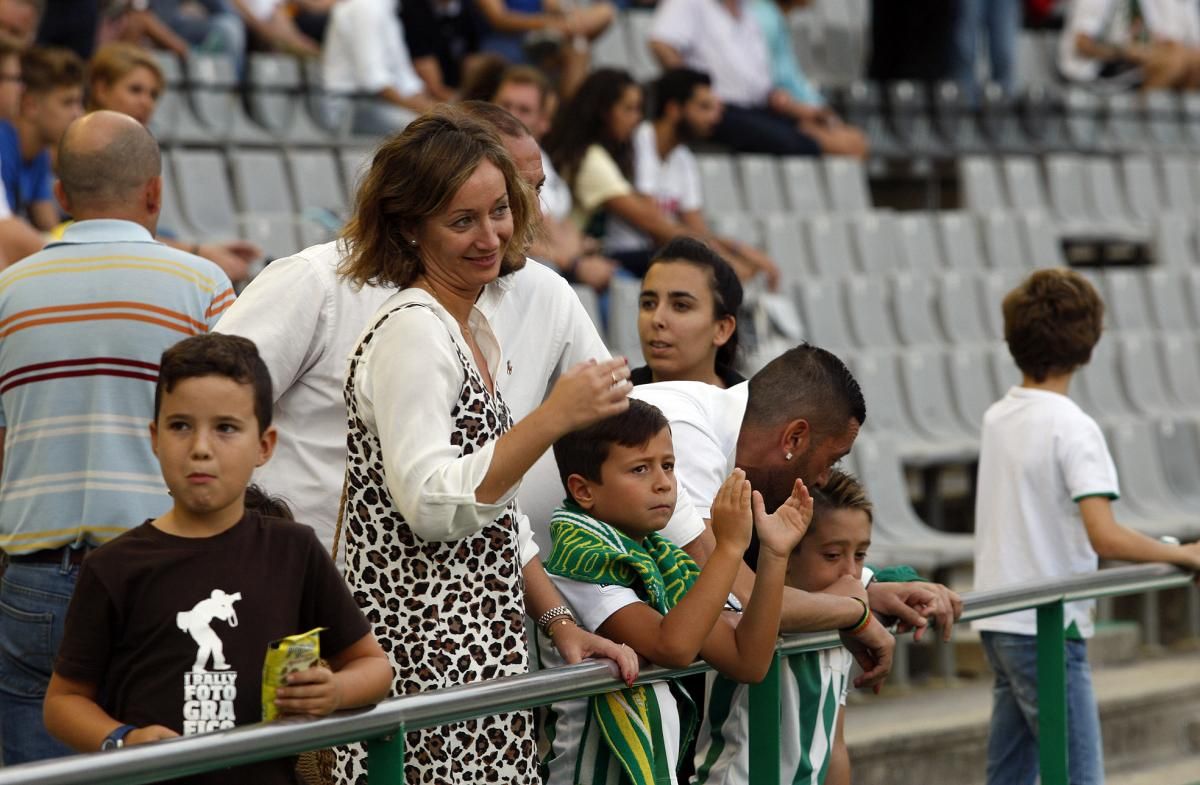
(813, 688)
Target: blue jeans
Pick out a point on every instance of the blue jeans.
(1012, 744)
(33, 609)
(1000, 20)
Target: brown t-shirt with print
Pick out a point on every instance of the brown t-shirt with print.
(173, 630)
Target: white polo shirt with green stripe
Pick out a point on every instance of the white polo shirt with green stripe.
(812, 692)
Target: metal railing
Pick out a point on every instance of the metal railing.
(383, 726)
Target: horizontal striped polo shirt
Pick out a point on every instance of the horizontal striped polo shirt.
(83, 324)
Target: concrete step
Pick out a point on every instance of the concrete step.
(1185, 771)
(1149, 711)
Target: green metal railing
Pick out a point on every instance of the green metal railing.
(383, 726)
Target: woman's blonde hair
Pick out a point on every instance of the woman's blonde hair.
(413, 176)
(113, 62)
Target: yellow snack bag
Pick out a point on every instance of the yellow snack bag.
(287, 655)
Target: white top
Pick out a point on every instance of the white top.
(1039, 455)
(556, 194)
(1103, 20)
(364, 50)
(306, 321)
(1173, 20)
(732, 50)
(261, 9)
(673, 182)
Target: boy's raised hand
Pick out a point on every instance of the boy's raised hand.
(732, 520)
(779, 532)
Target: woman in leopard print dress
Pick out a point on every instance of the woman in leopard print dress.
(438, 556)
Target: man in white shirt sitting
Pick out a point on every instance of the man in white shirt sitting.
(684, 109)
(365, 56)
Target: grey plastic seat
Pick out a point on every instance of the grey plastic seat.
(1163, 120)
(1083, 110)
(1168, 303)
(958, 235)
(1177, 181)
(1144, 489)
(317, 182)
(982, 191)
(276, 234)
(926, 388)
(829, 246)
(1023, 181)
(878, 374)
(825, 319)
(623, 296)
(277, 101)
(760, 181)
(1125, 128)
(354, 161)
(1181, 364)
(171, 219)
(783, 237)
(1126, 300)
(874, 239)
(1067, 186)
(743, 226)
(918, 244)
(1142, 192)
(1144, 380)
(611, 48)
(993, 287)
(268, 210)
(882, 473)
(971, 384)
(869, 311)
(913, 298)
(802, 184)
(1107, 203)
(1100, 378)
(1172, 242)
(1002, 242)
(218, 103)
(1005, 373)
(1040, 241)
(642, 64)
(959, 309)
(207, 200)
(846, 184)
(1179, 444)
(719, 184)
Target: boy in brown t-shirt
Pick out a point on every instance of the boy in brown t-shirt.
(169, 624)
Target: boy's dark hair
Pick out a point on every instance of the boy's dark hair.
(263, 503)
(842, 491)
(46, 68)
(583, 452)
(808, 383)
(1052, 321)
(677, 85)
(214, 354)
(722, 282)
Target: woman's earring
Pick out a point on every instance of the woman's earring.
(413, 243)
(787, 456)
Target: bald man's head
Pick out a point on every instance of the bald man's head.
(105, 160)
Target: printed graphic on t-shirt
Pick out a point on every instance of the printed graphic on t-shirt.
(209, 694)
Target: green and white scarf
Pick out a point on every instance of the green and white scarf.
(591, 551)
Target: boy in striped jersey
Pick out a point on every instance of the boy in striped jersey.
(813, 684)
(633, 586)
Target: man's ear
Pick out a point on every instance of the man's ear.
(796, 437)
(60, 194)
(581, 491)
(153, 195)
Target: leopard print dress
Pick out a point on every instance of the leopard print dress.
(446, 613)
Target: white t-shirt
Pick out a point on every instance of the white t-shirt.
(1173, 20)
(556, 194)
(732, 50)
(1104, 20)
(673, 182)
(1039, 455)
(306, 321)
(364, 50)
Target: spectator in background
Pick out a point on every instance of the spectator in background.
(794, 95)
(524, 93)
(443, 37)
(205, 25)
(685, 110)
(552, 34)
(912, 40)
(20, 18)
(10, 77)
(365, 55)
(65, 490)
(126, 78)
(52, 100)
(1150, 44)
(1000, 22)
(17, 238)
(271, 25)
(590, 143)
(723, 38)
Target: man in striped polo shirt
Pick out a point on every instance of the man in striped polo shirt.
(82, 326)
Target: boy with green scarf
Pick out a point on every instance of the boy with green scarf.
(631, 585)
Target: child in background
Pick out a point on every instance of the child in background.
(168, 628)
(813, 684)
(1044, 511)
(633, 586)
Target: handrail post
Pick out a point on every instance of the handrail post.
(1052, 693)
(385, 759)
(765, 720)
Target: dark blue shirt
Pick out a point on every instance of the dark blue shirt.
(25, 182)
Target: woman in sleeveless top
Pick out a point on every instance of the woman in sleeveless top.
(437, 554)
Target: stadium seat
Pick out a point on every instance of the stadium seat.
(354, 163)
(825, 319)
(908, 110)
(1142, 192)
(1002, 243)
(954, 120)
(1023, 182)
(743, 226)
(869, 312)
(1126, 131)
(864, 109)
(611, 48)
(959, 309)
(1181, 363)
(1108, 204)
(1040, 241)
(993, 286)
(760, 182)
(207, 201)
(802, 184)
(171, 221)
(1144, 489)
(1191, 120)
(999, 121)
(1179, 444)
(642, 64)
(623, 294)
(958, 233)
(912, 299)
(1100, 378)
(1167, 300)
(318, 184)
(276, 98)
(1143, 379)
(785, 244)
(1125, 300)
(846, 184)
(879, 374)
(918, 248)
(829, 246)
(260, 182)
(217, 102)
(719, 184)
(1176, 173)
(927, 390)
(1005, 374)
(1067, 186)
(873, 236)
(1164, 126)
(1082, 109)
(1172, 242)
(1042, 117)
(970, 384)
(981, 186)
